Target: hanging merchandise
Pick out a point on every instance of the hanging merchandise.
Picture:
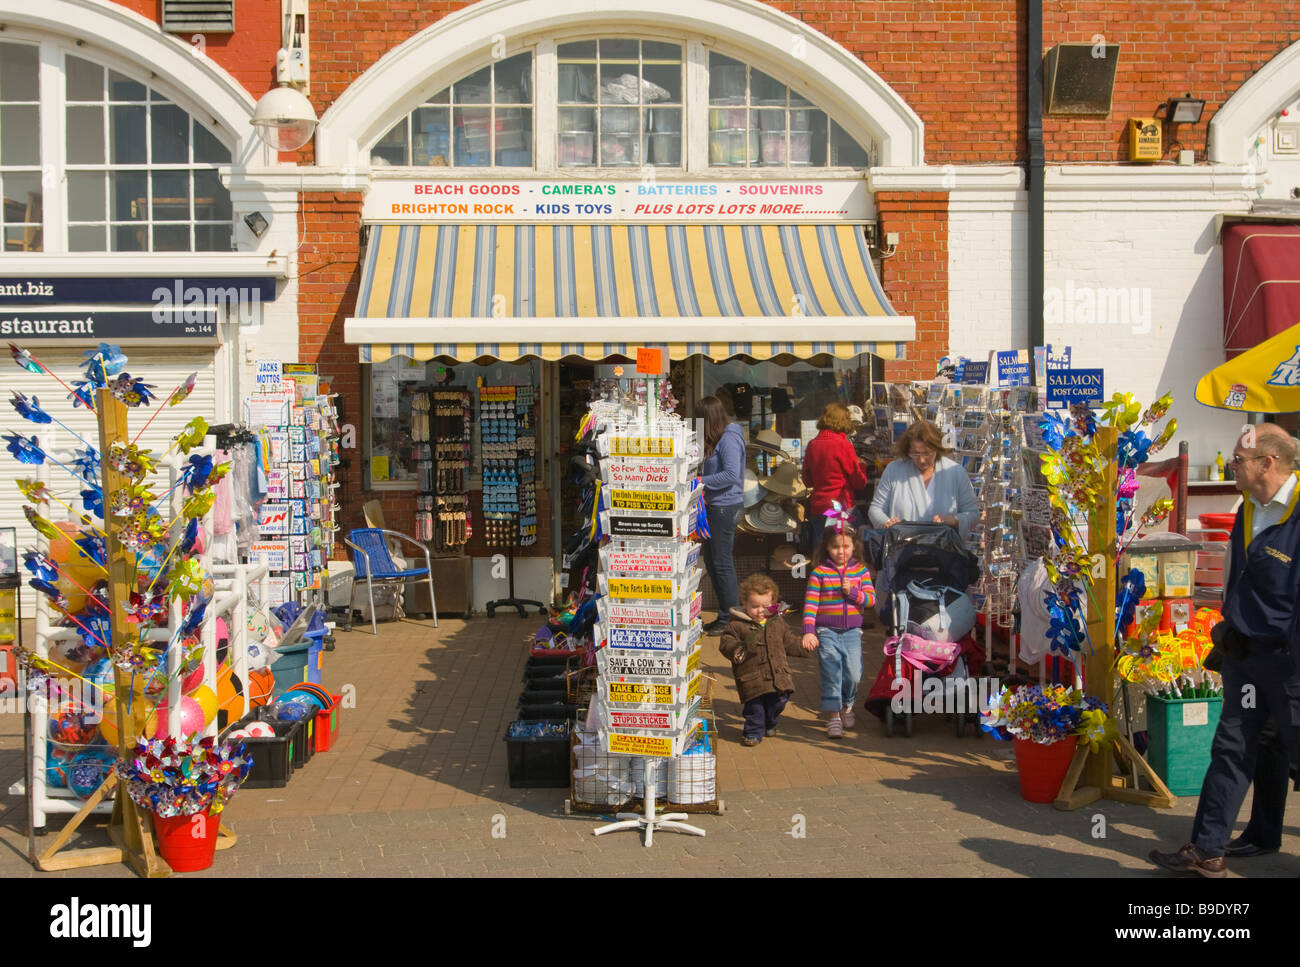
(509, 449)
(298, 443)
(442, 509)
(649, 696)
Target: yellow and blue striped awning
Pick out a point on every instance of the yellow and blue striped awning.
(511, 291)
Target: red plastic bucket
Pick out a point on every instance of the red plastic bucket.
(187, 843)
(1217, 527)
(1042, 768)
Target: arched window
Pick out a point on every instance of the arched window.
(619, 102)
(138, 171)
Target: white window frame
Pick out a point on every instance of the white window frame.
(695, 132)
(52, 121)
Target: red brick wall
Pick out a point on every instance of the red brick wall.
(916, 276)
(959, 64)
(248, 53)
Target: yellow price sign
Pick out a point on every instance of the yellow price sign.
(630, 692)
(640, 446)
(643, 500)
(693, 688)
(640, 745)
(693, 662)
(637, 588)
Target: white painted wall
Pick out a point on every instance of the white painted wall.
(1147, 232)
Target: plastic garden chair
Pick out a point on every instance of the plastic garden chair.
(374, 564)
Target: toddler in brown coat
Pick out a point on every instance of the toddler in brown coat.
(757, 641)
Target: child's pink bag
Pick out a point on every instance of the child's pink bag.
(921, 653)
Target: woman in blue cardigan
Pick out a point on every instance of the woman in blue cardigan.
(923, 484)
(723, 476)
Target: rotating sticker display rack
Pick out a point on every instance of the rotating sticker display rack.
(648, 695)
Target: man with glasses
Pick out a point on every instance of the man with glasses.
(1258, 642)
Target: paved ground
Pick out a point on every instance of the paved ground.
(417, 786)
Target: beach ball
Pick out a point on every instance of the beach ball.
(190, 713)
(207, 700)
(259, 656)
(87, 771)
(69, 726)
(108, 724)
(260, 686)
(230, 692)
(260, 730)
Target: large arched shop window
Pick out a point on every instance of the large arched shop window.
(140, 171)
(620, 103)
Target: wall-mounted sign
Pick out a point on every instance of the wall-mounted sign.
(1066, 387)
(538, 200)
(115, 290)
(108, 324)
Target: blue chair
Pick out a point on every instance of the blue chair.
(374, 564)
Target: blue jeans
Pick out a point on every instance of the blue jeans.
(839, 653)
(718, 555)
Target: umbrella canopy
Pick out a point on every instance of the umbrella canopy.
(1265, 379)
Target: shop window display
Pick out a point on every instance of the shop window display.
(394, 452)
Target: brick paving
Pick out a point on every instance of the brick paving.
(417, 786)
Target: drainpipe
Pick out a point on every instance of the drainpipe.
(1034, 173)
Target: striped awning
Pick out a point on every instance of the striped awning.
(512, 291)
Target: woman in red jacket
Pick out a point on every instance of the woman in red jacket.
(831, 467)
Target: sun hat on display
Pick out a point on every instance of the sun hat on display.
(771, 518)
(784, 480)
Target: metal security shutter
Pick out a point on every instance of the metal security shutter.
(209, 16)
(163, 368)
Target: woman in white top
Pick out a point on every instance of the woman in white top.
(923, 484)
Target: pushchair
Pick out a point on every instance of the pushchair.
(922, 571)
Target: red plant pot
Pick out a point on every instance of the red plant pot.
(187, 843)
(1042, 768)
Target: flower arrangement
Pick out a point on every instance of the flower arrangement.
(1171, 666)
(180, 777)
(1045, 714)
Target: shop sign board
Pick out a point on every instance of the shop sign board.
(1012, 367)
(638, 639)
(269, 373)
(124, 290)
(650, 666)
(652, 500)
(640, 446)
(80, 325)
(1066, 387)
(607, 203)
(629, 692)
(975, 374)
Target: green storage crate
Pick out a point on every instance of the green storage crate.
(1179, 734)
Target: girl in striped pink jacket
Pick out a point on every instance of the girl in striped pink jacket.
(839, 588)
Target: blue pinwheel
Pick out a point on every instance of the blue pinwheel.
(25, 450)
(86, 464)
(107, 358)
(45, 587)
(40, 566)
(190, 537)
(94, 548)
(30, 410)
(97, 601)
(95, 628)
(1132, 586)
(1055, 429)
(1132, 448)
(1085, 423)
(93, 501)
(83, 394)
(194, 619)
(196, 473)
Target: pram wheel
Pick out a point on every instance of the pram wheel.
(907, 724)
(889, 722)
(961, 725)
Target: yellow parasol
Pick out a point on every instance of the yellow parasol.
(1265, 379)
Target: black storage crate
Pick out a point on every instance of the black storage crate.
(541, 696)
(272, 758)
(539, 763)
(529, 712)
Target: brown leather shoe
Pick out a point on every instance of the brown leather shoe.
(1189, 859)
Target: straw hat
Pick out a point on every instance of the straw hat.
(783, 558)
(768, 440)
(753, 492)
(784, 480)
(771, 518)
